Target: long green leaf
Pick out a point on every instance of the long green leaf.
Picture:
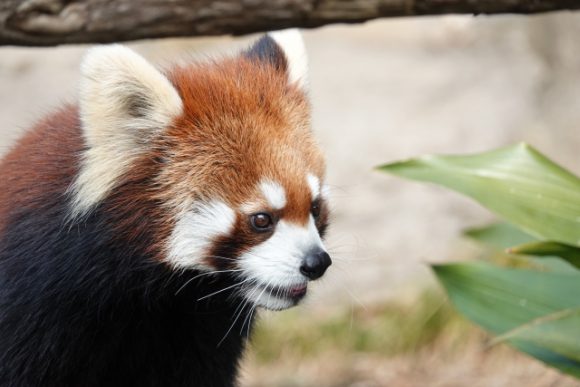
(558, 332)
(501, 299)
(549, 249)
(498, 235)
(501, 236)
(517, 182)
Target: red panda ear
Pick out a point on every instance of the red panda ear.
(123, 94)
(124, 101)
(285, 51)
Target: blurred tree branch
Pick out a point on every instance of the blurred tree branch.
(53, 22)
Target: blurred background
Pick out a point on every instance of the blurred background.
(384, 91)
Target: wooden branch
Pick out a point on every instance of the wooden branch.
(53, 22)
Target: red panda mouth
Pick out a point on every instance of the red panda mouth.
(298, 291)
(294, 293)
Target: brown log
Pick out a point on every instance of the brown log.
(53, 22)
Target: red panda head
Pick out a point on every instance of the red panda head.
(230, 162)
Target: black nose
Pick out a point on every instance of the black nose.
(315, 264)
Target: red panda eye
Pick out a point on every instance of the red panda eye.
(261, 222)
(315, 209)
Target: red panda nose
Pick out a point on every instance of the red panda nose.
(315, 264)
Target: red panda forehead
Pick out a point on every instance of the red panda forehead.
(242, 124)
(234, 88)
(278, 184)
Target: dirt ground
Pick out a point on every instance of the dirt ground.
(383, 91)
(471, 364)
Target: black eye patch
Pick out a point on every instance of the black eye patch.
(226, 249)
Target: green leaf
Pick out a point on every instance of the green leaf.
(558, 332)
(499, 235)
(555, 264)
(549, 249)
(502, 299)
(517, 182)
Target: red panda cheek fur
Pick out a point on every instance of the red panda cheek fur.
(90, 300)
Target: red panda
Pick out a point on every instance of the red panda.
(141, 228)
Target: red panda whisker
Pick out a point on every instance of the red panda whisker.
(281, 248)
(260, 256)
(237, 316)
(237, 313)
(220, 257)
(224, 289)
(355, 298)
(278, 290)
(253, 290)
(349, 259)
(184, 286)
(336, 248)
(246, 320)
(217, 272)
(349, 292)
(205, 274)
(337, 255)
(265, 288)
(249, 319)
(271, 290)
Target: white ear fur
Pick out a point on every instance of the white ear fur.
(292, 44)
(124, 101)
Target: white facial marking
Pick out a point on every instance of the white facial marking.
(195, 230)
(325, 191)
(274, 194)
(124, 101)
(290, 41)
(314, 184)
(251, 207)
(277, 261)
(264, 298)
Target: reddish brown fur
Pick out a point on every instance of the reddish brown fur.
(136, 211)
(242, 122)
(41, 165)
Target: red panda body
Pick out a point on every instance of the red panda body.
(140, 230)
